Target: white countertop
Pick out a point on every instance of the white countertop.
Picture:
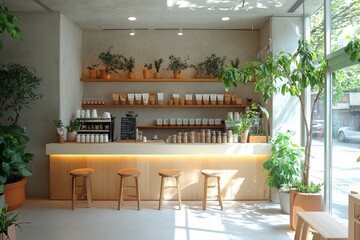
(158, 149)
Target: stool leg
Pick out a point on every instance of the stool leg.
(205, 193)
(219, 193)
(88, 190)
(120, 192)
(178, 190)
(137, 192)
(73, 193)
(161, 192)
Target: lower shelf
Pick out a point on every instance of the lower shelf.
(182, 127)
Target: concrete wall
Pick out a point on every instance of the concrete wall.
(146, 46)
(39, 50)
(70, 68)
(285, 33)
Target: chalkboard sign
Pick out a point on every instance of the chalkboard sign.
(128, 128)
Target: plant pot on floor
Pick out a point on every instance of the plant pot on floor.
(15, 194)
(301, 202)
(284, 199)
(11, 233)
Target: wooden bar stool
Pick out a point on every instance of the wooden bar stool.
(208, 174)
(129, 172)
(169, 173)
(84, 173)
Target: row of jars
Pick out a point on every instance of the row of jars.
(203, 136)
(92, 138)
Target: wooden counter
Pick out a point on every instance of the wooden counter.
(241, 164)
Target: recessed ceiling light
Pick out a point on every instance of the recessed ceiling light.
(225, 18)
(131, 18)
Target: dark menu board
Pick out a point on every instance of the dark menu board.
(128, 128)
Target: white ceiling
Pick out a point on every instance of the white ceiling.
(166, 14)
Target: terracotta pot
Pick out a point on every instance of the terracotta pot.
(71, 137)
(146, 73)
(211, 76)
(244, 136)
(104, 74)
(131, 75)
(15, 194)
(197, 75)
(157, 75)
(177, 74)
(11, 233)
(300, 202)
(92, 74)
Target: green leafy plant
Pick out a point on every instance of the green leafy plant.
(148, 66)
(292, 74)
(353, 49)
(213, 64)
(7, 23)
(158, 63)
(248, 117)
(309, 188)
(73, 126)
(235, 63)
(92, 67)
(284, 165)
(13, 158)
(17, 90)
(198, 67)
(129, 64)
(6, 220)
(112, 62)
(177, 64)
(58, 123)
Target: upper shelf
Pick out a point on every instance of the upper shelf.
(150, 80)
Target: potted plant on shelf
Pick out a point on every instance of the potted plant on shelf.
(235, 62)
(72, 129)
(112, 63)
(60, 130)
(157, 64)
(129, 65)
(146, 70)
(213, 64)
(8, 222)
(247, 120)
(198, 68)
(284, 166)
(176, 65)
(92, 71)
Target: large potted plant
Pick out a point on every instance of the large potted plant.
(17, 91)
(177, 65)
(292, 74)
(213, 64)
(284, 166)
(112, 63)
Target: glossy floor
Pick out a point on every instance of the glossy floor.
(53, 220)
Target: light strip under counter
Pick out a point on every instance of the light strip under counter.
(229, 149)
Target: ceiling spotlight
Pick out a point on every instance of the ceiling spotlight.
(225, 18)
(180, 33)
(132, 32)
(131, 18)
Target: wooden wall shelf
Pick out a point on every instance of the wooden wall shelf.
(150, 80)
(162, 106)
(182, 127)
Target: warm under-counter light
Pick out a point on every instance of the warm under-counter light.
(131, 18)
(180, 33)
(225, 18)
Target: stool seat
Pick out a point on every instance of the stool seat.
(125, 173)
(170, 172)
(211, 173)
(81, 172)
(129, 172)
